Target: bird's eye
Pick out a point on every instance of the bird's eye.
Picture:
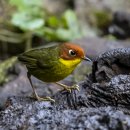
(72, 52)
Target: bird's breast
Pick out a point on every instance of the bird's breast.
(70, 63)
(57, 72)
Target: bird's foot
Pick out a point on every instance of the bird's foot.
(42, 98)
(45, 99)
(69, 89)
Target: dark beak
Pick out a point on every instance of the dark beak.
(87, 59)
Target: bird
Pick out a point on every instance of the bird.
(52, 64)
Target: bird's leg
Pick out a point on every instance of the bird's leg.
(68, 88)
(35, 95)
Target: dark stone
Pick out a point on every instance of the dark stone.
(24, 113)
(115, 93)
(29, 115)
(110, 64)
(120, 26)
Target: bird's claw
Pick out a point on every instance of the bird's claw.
(45, 99)
(69, 89)
(42, 98)
(75, 87)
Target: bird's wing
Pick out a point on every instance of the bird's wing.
(40, 58)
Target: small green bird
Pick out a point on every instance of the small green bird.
(52, 64)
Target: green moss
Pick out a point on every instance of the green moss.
(102, 18)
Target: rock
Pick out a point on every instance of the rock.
(25, 114)
(114, 93)
(87, 112)
(100, 104)
(111, 63)
(120, 26)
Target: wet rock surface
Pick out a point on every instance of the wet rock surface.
(102, 103)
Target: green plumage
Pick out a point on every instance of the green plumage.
(43, 63)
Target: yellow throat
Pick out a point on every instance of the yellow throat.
(70, 63)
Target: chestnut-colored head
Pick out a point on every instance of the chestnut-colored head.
(70, 51)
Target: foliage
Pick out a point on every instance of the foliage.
(30, 16)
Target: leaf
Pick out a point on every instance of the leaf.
(18, 3)
(71, 28)
(50, 34)
(26, 22)
(25, 4)
(64, 34)
(33, 2)
(53, 21)
(71, 20)
(67, 35)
